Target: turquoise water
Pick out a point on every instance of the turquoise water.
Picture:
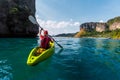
(81, 59)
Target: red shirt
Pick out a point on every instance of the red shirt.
(45, 41)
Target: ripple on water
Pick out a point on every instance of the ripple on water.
(5, 70)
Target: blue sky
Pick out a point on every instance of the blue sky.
(65, 16)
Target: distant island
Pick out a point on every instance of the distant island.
(110, 29)
(66, 35)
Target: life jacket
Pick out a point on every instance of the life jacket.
(45, 42)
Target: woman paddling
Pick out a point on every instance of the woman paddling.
(44, 41)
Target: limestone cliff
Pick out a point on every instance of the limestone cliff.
(114, 26)
(94, 26)
(14, 18)
(114, 23)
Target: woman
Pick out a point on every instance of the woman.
(45, 40)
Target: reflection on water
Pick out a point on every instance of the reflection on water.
(5, 70)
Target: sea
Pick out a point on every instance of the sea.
(80, 59)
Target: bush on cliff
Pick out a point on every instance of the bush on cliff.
(81, 33)
(111, 21)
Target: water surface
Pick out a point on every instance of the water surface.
(81, 59)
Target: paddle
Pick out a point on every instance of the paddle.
(33, 20)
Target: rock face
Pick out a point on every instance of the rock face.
(94, 26)
(100, 27)
(14, 18)
(114, 23)
(114, 26)
(88, 26)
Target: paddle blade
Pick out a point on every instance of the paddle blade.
(32, 19)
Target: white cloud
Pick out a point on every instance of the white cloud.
(55, 27)
(101, 21)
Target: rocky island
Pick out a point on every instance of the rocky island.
(110, 29)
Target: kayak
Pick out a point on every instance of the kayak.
(33, 59)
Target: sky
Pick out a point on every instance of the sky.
(65, 16)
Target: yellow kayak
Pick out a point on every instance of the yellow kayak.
(33, 59)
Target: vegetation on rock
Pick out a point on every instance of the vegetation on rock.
(111, 21)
